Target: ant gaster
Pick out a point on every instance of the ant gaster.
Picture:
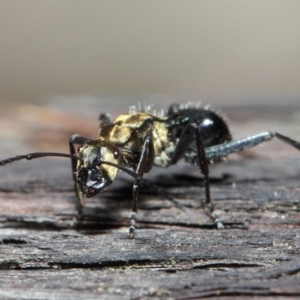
(139, 140)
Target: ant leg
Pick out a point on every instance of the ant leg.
(203, 164)
(215, 153)
(104, 119)
(191, 131)
(135, 192)
(80, 140)
(145, 161)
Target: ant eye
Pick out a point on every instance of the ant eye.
(116, 154)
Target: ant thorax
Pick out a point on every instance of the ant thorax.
(128, 133)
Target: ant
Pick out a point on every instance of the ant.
(139, 140)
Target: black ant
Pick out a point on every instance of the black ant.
(139, 140)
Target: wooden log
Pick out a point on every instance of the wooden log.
(46, 253)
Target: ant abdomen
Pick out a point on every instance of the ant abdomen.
(212, 126)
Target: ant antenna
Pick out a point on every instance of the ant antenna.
(30, 156)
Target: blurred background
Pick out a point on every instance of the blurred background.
(215, 51)
(62, 63)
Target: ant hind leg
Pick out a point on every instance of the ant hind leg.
(215, 153)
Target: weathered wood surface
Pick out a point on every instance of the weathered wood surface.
(46, 254)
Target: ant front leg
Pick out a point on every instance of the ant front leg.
(105, 119)
(144, 165)
(190, 133)
(80, 140)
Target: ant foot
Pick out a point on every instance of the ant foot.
(132, 225)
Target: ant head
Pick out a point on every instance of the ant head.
(92, 176)
(97, 165)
